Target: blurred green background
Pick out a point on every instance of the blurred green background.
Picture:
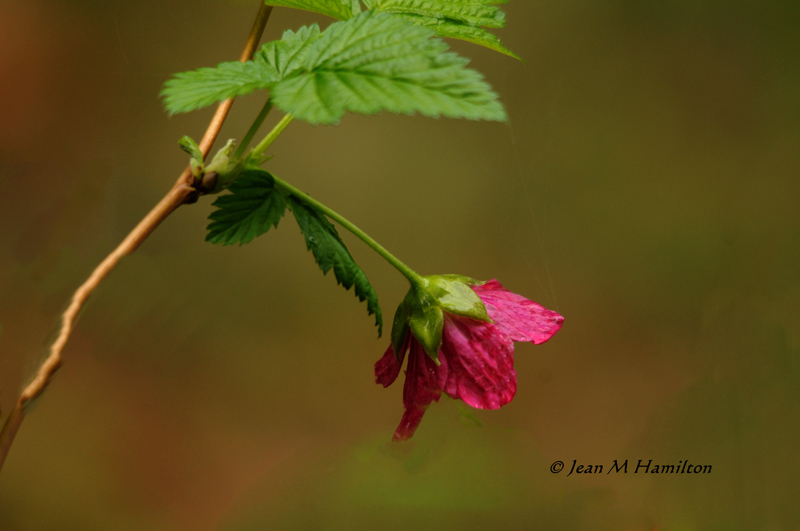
(646, 187)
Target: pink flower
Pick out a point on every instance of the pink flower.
(475, 355)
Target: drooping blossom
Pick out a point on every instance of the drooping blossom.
(459, 335)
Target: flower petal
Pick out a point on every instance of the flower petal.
(481, 363)
(424, 383)
(517, 317)
(388, 367)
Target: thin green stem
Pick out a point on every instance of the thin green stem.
(407, 272)
(258, 151)
(255, 157)
(253, 129)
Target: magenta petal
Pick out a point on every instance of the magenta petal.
(517, 317)
(387, 368)
(481, 363)
(424, 383)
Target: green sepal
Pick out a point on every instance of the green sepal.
(400, 331)
(422, 310)
(225, 166)
(427, 326)
(454, 295)
(462, 278)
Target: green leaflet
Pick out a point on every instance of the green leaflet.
(378, 62)
(200, 88)
(472, 12)
(252, 207)
(338, 9)
(288, 55)
(458, 19)
(330, 252)
(464, 32)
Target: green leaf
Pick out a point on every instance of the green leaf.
(188, 145)
(196, 160)
(200, 88)
(378, 62)
(330, 252)
(339, 9)
(252, 207)
(287, 55)
(368, 64)
(458, 19)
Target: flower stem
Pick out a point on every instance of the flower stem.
(257, 152)
(253, 129)
(407, 272)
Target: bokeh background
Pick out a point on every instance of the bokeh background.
(646, 187)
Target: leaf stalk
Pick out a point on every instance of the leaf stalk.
(253, 129)
(413, 277)
(257, 152)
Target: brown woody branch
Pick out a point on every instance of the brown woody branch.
(181, 191)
